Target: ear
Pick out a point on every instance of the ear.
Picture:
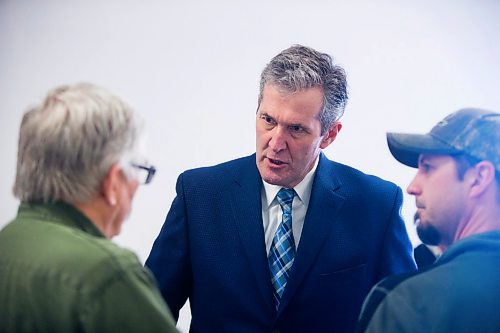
(331, 134)
(110, 184)
(482, 176)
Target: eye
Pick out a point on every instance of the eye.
(296, 129)
(267, 119)
(426, 167)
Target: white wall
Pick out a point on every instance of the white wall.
(192, 69)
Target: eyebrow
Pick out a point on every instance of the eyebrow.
(261, 113)
(422, 158)
(426, 158)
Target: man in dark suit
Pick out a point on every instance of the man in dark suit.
(285, 239)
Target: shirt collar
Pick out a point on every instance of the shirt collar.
(60, 213)
(302, 189)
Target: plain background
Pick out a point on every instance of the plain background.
(191, 68)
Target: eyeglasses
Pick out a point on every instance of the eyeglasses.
(145, 178)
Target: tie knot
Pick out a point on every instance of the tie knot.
(285, 198)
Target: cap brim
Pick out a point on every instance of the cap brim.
(407, 147)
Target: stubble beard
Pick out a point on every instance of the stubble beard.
(427, 233)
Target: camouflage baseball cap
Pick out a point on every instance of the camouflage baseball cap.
(474, 132)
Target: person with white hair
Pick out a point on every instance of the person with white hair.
(79, 166)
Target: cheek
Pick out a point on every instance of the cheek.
(305, 150)
(262, 139)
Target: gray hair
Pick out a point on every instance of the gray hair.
(68, 143)
(300, 67)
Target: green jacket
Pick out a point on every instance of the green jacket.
(58, 273)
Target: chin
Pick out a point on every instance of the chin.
(272, 181)
(268, 176)
(276, 181)
(428, 234)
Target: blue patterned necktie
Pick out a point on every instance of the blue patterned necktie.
(282, 250)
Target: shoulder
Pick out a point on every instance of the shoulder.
(97, 265)
(219, 172)
(67, 254)
(378, 295)
(397, 300)
(96, 259)
(354, 179)
(224, 166)
(416, 284)
(101, 254)
(449, 296)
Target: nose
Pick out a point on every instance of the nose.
(414, 187)
(278, 140)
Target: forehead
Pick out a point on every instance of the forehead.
(277, 100)
(435, 159)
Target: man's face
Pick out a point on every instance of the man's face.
(288, 134)
(440, 198)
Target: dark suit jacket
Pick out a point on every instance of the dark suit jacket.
(211, 250)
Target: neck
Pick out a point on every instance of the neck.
(98, 213)
(483, 218)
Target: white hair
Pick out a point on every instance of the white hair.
(69, 142)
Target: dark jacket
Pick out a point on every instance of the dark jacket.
(459, 293)
(211, 250)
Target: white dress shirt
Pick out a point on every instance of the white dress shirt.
(271, 209)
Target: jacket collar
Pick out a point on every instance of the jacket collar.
(59, 213)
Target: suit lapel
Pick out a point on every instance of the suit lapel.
(246, 208)
(324, 205)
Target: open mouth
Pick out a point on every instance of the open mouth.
(277, 162)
